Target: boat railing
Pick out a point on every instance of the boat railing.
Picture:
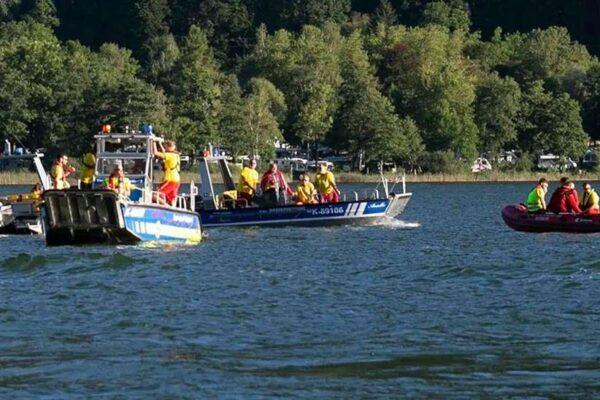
(182, 201)
(352, 195)
(367, 194)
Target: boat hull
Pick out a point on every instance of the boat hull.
(164, 224)
(344, 213)
(517, 218)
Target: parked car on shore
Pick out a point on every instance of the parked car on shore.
(551, 162)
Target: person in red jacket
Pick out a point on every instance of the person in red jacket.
(274, 186)
(564, 199)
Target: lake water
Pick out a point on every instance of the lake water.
(446, 303)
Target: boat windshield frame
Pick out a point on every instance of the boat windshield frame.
(136, 139)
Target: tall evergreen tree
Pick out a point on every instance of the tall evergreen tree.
(195, 93)
(366, 122)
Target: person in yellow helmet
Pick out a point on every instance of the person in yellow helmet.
(248, 181)
(169, 187)
(536, 200)
(325, 182)
(60, 172)
(305, 191)
(88, 168)
(590, 202)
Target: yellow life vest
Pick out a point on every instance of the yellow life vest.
(248, 176)
(171, 164)
(59, 180)
(88, 167)
(590, 200)
(325, 182)
(305, 193)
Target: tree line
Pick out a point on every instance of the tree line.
(408, 81)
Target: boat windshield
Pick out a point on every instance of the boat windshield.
(131, 166)
(125, 145)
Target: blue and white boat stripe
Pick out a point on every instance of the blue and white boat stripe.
(355, 209)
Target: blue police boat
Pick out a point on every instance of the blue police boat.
(99, 215)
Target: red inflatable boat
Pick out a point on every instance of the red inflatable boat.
(519, 219)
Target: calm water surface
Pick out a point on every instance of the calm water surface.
(447, 303)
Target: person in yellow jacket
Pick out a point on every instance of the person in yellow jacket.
(60, 172)
(325, 182)
(118, 182)
(88, 169)
(248, 181)
(590, 202)
(536, 200)
(305, 191)
(169, 187)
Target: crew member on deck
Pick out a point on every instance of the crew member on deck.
(305, 191)
(118, 182)
(274, 185)
(170, 184)
(590, 202)
(88, 167)
(325, 182)
(536, 200)
(248, 181)
(60, 172)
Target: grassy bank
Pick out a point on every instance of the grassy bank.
(30, 178)
(466, 177)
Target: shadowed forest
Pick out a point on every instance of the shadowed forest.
(415, 82)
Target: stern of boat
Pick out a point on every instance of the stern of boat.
(84, 217)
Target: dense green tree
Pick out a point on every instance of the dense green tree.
(56, 95)
(162, 53)
(592, 104)
(453, 14)
(251, 123)
(366, 122)
(195, 93)
(551, 123)
(306, 69)
(151, 17)
(295, 14)
(385, 14)
(41, 11)
(545, 54)
(429, 79)
(497, 107)
(7, 9)
(228, 25)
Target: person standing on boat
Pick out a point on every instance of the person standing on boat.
(305, 191)
(88, 169)
(60, 172)
(590, 202)
(536, 200)
(325, 182)
(564, 199)
(274, 185)
(248, 181)
(169, 187)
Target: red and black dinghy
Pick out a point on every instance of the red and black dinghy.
(519, 219)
